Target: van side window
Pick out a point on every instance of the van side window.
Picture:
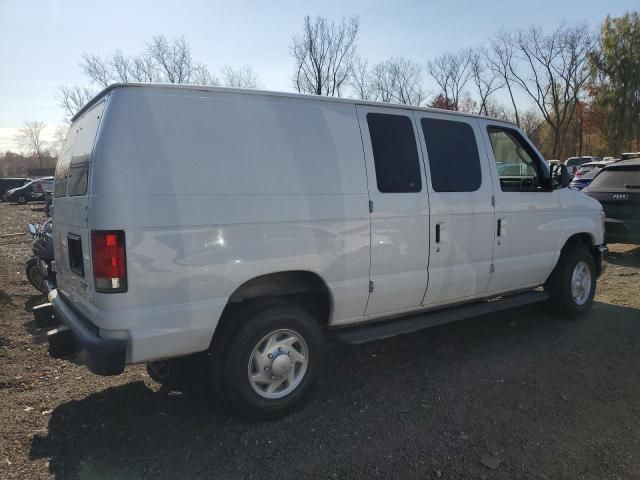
(519, 168)
(395, 153)
(454, 161)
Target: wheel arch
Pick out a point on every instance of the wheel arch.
(303, 287)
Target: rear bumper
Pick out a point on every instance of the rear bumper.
(79, 336)
(600, 253)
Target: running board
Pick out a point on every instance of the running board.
(399, 326)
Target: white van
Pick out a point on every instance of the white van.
(253, 225)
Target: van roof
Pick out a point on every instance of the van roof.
(245, 91)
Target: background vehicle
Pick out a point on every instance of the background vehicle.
(629, 155)
(7, 184)
(573, 163)
(579, 182)
(269, 221)
(23, 194)
(617, 188)
(43, 187)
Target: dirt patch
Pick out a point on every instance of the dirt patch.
(514, 395)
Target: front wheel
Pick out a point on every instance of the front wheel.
(272, 361)
(572, 284)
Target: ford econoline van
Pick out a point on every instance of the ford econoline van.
(254, 225)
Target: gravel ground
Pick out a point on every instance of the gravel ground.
(514, 395)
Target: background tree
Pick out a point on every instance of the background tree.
(451, 72)
(553, 71)
(486, 80)
(162, 60)
(324, 54)
(499, 58)
(243, 77)
(30, 139)
(616, 81)
(73, 98)
(398, 80)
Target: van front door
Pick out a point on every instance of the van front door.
(526, 211)
(462, 216)
(399, 209)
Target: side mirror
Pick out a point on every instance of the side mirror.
(560, 175)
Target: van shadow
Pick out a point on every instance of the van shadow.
(389, 390)
(628, 258)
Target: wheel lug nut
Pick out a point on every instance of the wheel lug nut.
(273, 377)
(269, 356)
(267, 368)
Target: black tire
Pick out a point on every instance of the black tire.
(34, 274)
(22, 200)
(559, 283)
(231, 366)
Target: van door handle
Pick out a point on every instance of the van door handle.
(499, 232)
(437, 233)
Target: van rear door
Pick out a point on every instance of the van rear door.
(71, 202)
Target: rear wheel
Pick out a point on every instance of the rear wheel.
(34, 274)
(271, 362)
(572, 284)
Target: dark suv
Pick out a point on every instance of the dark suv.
(617, 188)
(7, 184)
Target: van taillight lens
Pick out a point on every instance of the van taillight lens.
(109, 262)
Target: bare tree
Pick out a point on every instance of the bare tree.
(243, 77)
(451, 72)
(553, 72)
(398, 80)
(59, 137)
(360, 79)
(73, 98)
(144, 69)
(499, 58)
(29, 139)
(324, 55)
(486, 80)
(202, 76)
(97, 69)
(173, 59)
(531, 122)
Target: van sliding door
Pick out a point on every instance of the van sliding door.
(399, 210)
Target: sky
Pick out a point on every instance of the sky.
(41, 42)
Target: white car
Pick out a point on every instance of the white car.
(253, 225)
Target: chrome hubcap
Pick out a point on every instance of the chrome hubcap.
(581, 283)
(278, 364)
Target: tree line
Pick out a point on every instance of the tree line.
(582, 87)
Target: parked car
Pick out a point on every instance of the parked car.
(23, 194)
(573, 163)
(629, 155)
(581, 181)
(617, 188)
(253, 225)
(43, 188)
(9, 183)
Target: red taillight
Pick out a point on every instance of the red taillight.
(579, 173)
(109, 263)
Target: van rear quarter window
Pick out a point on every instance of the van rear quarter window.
(72, 169)
(453, 155)
(395, 153)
